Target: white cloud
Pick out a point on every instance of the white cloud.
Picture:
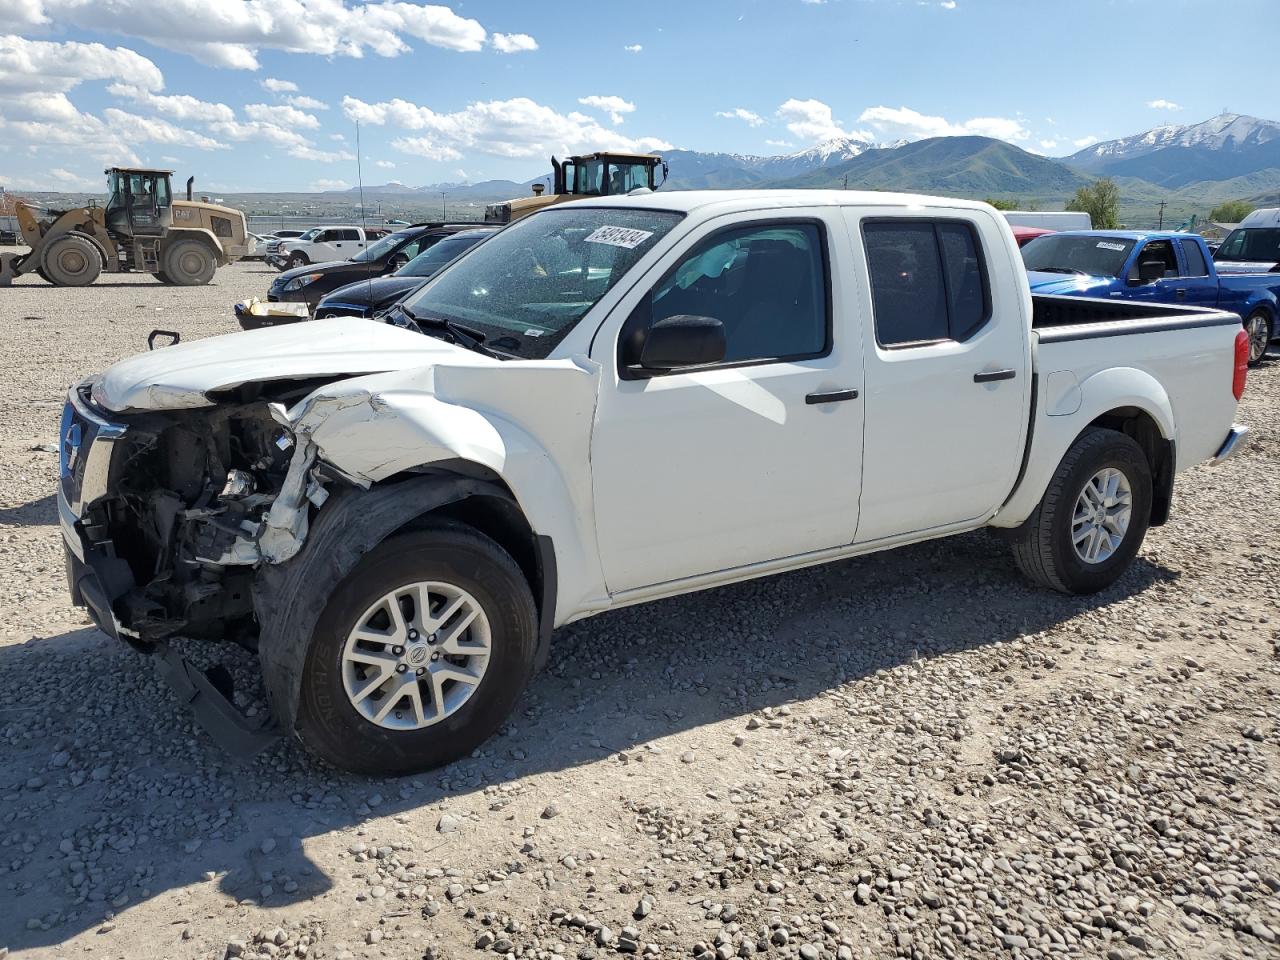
(384, 164)
(615, 107)
(135, 129)
(281, 115)
(230, 33)
(948, 4)
(306, 103)
(907, 124)
(513, 42)
(812, 121)
(1048, 144)
(739, 113)
(339, 137)
(1163, 105)
(293, 142)
(320, 186)
(633, 48)
(279, 86)
(175, 107)
(780, 143)
(515, 128)
(1088, 141)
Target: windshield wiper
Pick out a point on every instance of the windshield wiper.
(1080, 273)
(462, 335)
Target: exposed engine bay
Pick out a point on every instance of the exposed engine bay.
(196, 499)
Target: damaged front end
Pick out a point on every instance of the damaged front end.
(167, 513)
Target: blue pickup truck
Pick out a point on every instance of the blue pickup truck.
(1153, 267)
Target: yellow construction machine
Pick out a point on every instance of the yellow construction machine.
(601, 174)
(141, 229)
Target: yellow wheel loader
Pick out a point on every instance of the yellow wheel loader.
(141, 229)
(601, 174)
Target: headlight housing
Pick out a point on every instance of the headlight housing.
(297, 283)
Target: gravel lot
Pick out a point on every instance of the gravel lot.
(913, 754)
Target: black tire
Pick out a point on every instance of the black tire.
(163, 277)
(72, 260)
(43, 276)
(332, 729)
(1258, 326)
(296, 260)
(1042, 546)
(189, 263)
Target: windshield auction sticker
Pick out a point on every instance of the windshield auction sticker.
(1108, 245)
(619, 236)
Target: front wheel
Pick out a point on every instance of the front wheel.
(1091, 521)
(420, 654)
(1258, 326)
(298, 260)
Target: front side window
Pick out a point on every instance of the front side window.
(530, 283)
(928, 281)
(1160, 251)
(766, 284)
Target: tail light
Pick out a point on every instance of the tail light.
(1242, 365)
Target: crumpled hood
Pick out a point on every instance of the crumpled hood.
(180, 377)
(1068, 284)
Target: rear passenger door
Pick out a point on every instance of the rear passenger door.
(1198, 287)
(946, 371)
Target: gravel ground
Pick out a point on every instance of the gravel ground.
(907, 755)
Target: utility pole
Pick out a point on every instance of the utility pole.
(1161, 227)
(444, 213)
(846, 181)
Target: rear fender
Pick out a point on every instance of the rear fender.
(1113, 389)
(198, 233)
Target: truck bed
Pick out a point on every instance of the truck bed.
(1057, 318)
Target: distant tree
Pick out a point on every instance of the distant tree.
(1002, 204)
(1101, 200)
(1232, 211)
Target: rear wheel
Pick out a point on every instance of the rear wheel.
(1258, 326)
(420, 654)
(72, 260)
(189, 263)
(1092, 519)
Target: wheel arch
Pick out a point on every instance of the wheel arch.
(176, 235)
(352, 522)
(1121, 398)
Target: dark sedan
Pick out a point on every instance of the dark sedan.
(365, 298)
(310, 283)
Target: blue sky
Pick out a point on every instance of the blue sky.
(264, 94)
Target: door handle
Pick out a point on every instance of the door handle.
(831, 396)
(990, 376)
(1181, 292)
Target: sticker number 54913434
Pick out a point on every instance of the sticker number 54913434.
(619, 236)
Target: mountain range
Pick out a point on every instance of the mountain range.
(1225, 157)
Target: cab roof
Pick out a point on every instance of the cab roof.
(621, 154)
(1131, 234)
(731, 201)
(135, 170)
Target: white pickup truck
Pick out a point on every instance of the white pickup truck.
(609, 402)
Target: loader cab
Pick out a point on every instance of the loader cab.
(140, 202)
(609, 174)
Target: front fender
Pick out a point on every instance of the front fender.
(1116, 388)
(377, 427)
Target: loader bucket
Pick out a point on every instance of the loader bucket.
(9, 268)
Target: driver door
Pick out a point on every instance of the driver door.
(755, 458)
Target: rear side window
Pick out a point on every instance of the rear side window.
(350, 234)
(928, 281)
(1195, 259)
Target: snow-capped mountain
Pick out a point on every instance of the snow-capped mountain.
(1228, 145)
(692, 169)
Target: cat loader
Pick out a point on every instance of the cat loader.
(141, 229)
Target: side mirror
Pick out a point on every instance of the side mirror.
(682, 341)
(1148, 272)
